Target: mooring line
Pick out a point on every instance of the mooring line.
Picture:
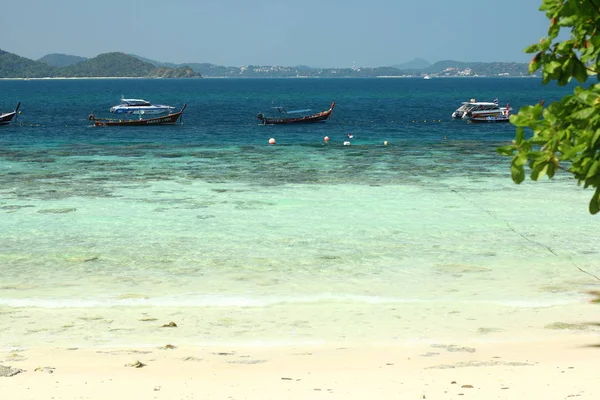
(548, 248)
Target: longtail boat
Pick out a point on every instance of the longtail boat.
(6, 118)
(287, 119)
(169, 119)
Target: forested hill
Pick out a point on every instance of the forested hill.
(14, 66)
(61, 60)
(108, 64)
(104, 65)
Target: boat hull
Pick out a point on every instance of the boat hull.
(318, 117)
(7, 118)
(141, 110)
(489, 119)
(170, 119)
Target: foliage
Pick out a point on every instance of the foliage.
(13, 66)
(61, 60)
(181, 72)
(104, 65)
(107, 65)
(565, 135)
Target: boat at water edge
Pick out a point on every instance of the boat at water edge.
(169, 119)
(504, 117)
(479, 109)
(139, 106)
(6, 118)
(292, 117)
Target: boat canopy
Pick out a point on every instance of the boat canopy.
(482, 105)
(135, 102)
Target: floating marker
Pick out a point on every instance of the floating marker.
(326, 138)
(272, 141)
(385, 143)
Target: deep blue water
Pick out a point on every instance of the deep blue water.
(224, 141)
(223, 110)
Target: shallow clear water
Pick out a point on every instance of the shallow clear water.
(108, 233)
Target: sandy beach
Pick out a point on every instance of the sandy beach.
(560, 368)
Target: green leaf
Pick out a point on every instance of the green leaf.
(520, 159)
(551, 170)
(539, 171)
(595, 202)
(535, 63)
(579, 71)
(593, 169)
(588, 97)
(568, 21)
(517, 173)
(565, 47)
(584, 114)
(595, 138)
(532, 49)
(506, 150)
(553, 67)
(520, 134)
(553, 31)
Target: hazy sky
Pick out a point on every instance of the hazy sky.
(318, 33)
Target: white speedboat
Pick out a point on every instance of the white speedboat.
(139, 106)
(480, 109)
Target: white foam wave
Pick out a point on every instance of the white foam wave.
(195, 300)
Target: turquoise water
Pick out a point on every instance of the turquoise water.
(109, 233)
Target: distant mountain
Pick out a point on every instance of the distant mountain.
(453, 68)
(61, 60)
(128, 65)
(109, 64)
(104, 65)
(180, 72)
(13, 66)
(156, 63)
(417, 63)
(205, 69)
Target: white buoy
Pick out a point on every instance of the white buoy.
(272, 141)
(385, 142)
(346, 143)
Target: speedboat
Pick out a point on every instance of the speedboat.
(480, 109)
(139, 106)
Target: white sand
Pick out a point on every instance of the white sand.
(558, 369)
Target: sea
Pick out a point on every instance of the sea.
(204, 234)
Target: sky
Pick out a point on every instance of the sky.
(317, 33)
